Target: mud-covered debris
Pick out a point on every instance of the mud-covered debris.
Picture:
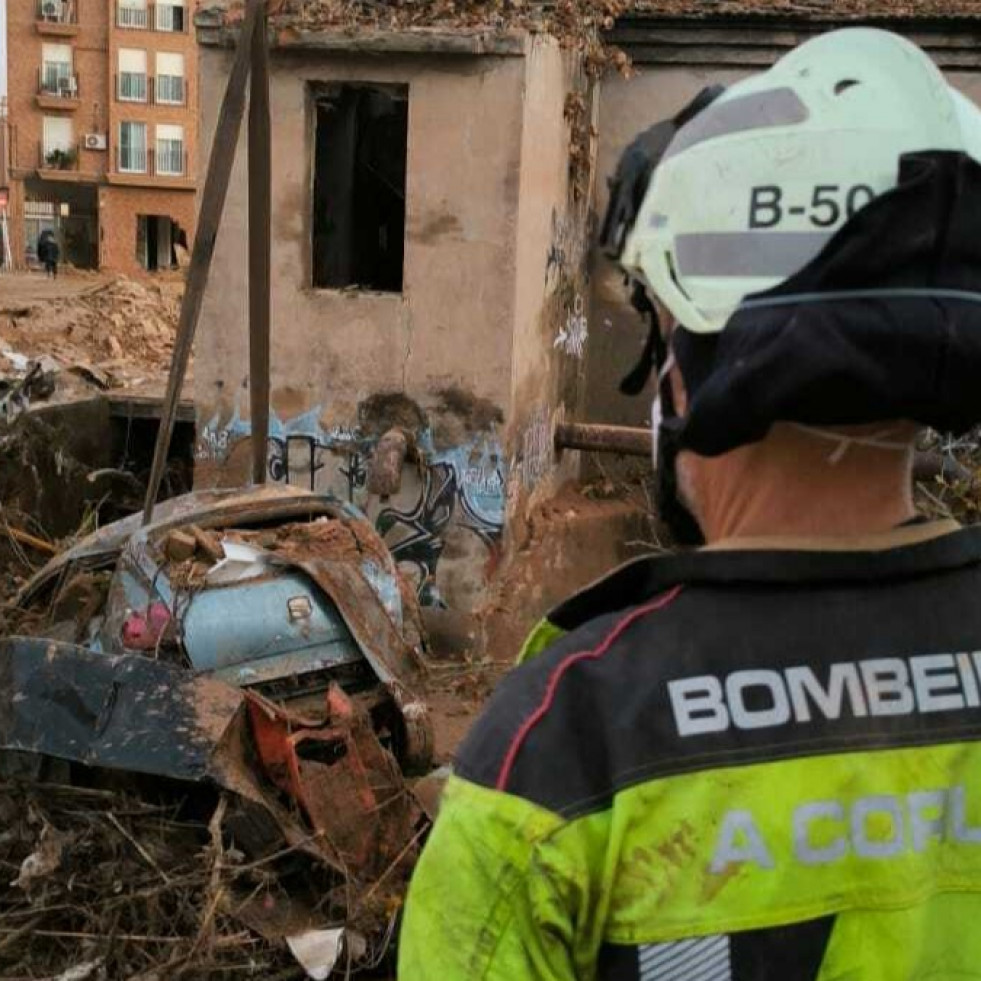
(322, 795)
(18, 392)
(45, 859)
(180, 545)
(106, 912)
(85, 971)
(385, 467)
(117, 334)
(208, 542)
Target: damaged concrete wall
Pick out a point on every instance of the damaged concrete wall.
(474, 357)
(551, 323)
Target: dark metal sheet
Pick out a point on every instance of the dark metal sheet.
(124, 713)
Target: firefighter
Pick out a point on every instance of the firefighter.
(758, 759)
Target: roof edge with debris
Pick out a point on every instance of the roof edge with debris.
(216, 29)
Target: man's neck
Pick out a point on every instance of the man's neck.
(786, 486)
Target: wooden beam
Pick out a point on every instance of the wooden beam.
(260, 232)
(212, 206)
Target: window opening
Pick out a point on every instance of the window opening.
(170, 149)
(170, 78)
(360, 149)
(170, 16)
(57, 77)
(132, 14)
(58, 148)
(157, 240)
(132, 148)
(132, 75)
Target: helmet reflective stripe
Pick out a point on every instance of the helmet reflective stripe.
(758, 110)
(751, 189)
(746, 254)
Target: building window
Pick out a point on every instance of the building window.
(360, 147)
(132, 75)
(58, 150)
(170, 78)
(132, 13)
(57, 77)
(132, 148)
(169, 15)
(170, 150)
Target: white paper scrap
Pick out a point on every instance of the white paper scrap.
(317, 951)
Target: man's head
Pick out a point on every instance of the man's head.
(798, 480)
(808, 238)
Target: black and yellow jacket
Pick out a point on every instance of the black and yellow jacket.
(758, 761)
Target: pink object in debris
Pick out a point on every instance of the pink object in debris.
(144, 631)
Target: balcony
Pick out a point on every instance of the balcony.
(165, 17)
(56, 18)
(57, 87)
(61, 158)
(132, 17)
(164, 90)
(135, 162)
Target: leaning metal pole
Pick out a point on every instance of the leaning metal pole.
(260, 233)
(209, 218)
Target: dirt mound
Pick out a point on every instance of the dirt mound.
(115, 335)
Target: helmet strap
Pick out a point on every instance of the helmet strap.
(844, 442)
(655, 350)
(665, 431)
(671, 511)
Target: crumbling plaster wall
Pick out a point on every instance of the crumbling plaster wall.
(550, 322)
(436, 359)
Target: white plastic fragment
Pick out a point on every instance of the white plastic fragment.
(82, 972)
(241, 562)
(317, 951)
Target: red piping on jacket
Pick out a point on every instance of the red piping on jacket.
(560, 670)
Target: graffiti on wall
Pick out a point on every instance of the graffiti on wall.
(464, 486)
(566, 279)
(536, 455)
(566, 250)
(573, 334)
(467, 482)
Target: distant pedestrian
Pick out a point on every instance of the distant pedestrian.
(49, 252)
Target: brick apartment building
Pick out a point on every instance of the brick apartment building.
(102, 130)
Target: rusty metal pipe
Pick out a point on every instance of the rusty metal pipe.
(626, 440)
(636, 441)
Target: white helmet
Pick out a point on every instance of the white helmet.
(751, 188)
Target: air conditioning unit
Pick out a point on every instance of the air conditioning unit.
(94, 141)
(52, 10)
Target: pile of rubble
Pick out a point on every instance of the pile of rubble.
(108, 885)
(215, 746)
(116, 335)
